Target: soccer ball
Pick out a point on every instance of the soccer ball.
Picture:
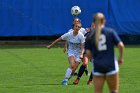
(75, 10)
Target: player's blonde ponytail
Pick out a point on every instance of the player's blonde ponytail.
(98, 20)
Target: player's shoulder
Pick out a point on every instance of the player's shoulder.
(108, 29)
(80, 35)
(70, 30)
(83, 31)
(69, 33)
(82, 28)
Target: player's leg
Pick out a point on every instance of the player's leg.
(76, 64)
(113, 83)
(82, 67)
(81, 70)
(75, 73)
(98, 83)
(69, 70)
(86, 70)
(90, 79)
(91, 75)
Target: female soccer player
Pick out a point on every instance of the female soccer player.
(76, 42)
(85, 61)
(82, 30)
(100, 45)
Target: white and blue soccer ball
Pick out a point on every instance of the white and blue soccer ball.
(75, 10)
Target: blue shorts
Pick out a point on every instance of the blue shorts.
(113, 72)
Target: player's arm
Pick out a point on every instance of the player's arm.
(57, 40)
(88, 54)
(120, 46)
(65, 46)
(82, 50)
(121, 50)
(88, 47)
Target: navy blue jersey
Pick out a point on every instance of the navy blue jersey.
(104, 59)
(88, 33)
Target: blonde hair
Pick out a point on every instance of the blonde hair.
(98, 20)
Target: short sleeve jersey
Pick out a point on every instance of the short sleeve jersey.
(104, 59)
(74, 42)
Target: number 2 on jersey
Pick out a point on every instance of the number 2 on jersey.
(102, 43)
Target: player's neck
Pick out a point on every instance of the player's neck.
(75, 33)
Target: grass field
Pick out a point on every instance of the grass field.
(39, 70)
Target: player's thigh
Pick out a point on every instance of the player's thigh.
(71, 61)
(76, 65)
(98, 83)
(113, 82)
(85, 60)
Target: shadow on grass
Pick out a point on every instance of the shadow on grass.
(59, 84)
(50, 84)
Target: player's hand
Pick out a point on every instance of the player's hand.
(81, 56)
(120, 61)
(64, 50)
(87, 29)
(49, 46)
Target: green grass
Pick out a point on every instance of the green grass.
(39, 70)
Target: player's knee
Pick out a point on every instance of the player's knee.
(85, 65)
(72, 67)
